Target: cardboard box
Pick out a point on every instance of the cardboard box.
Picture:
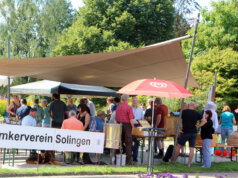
(139, 132)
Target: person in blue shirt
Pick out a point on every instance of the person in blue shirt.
(100, 120)
(46, 122)
(227, 121)
(23, 111)
(40, 112)
(71, 105)
(116, 102)
(30, 120)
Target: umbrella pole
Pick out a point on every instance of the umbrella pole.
(185, 86)
(151, 141)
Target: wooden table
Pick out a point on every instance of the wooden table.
(142, 142)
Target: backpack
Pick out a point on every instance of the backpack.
(168, 153)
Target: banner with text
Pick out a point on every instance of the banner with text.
(23, 137)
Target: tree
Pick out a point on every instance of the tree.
(225, 63)
(216, 51)
(183, 11)
(186, 7)
(32, 26)
(218, 28)
(181, 25)
(109, 25)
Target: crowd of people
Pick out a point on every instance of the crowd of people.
(208, 125)
(84, 118)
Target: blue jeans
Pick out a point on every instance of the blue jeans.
(206, 151)
(225, 133)
(135, 148)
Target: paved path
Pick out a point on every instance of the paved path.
(22, 155)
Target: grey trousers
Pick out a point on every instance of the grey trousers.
(206, 145)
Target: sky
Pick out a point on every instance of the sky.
(77, 3)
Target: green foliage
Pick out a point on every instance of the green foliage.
(32, 26)
(173, 104)
(225, 63)
(105, 25)
(2, 109)
(216, 50)
(181, 25)
(186, 7)
(218, 28)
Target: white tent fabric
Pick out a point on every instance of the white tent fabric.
(4, 80)
(163, 60)
(47, 88)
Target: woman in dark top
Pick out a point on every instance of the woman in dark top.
(14, 105)
(206, 133)
(84, 101)
(84, 117)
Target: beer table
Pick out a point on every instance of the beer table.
(141, 139)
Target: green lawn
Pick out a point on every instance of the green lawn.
(159, 168)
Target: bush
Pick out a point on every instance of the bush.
(3, 105)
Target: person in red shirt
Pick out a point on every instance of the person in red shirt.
(72, 123)
(161, 114)
(125, 116)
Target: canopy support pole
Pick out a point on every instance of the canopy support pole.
(185, 86)
(211, 96)
(8, 78)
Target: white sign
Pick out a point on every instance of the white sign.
(24, 137)
(158, 85)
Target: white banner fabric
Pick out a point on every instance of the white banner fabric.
(38, 138)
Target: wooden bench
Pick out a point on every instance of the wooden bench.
(199, 149)
(233, 148)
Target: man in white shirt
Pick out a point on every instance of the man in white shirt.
(30, 120)
(91, 106)
(138, 113)
(150, 101)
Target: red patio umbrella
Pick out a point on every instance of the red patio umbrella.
(155, 87)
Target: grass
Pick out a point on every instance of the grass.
(158, 168)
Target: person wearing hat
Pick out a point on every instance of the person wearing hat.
(100, 120)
